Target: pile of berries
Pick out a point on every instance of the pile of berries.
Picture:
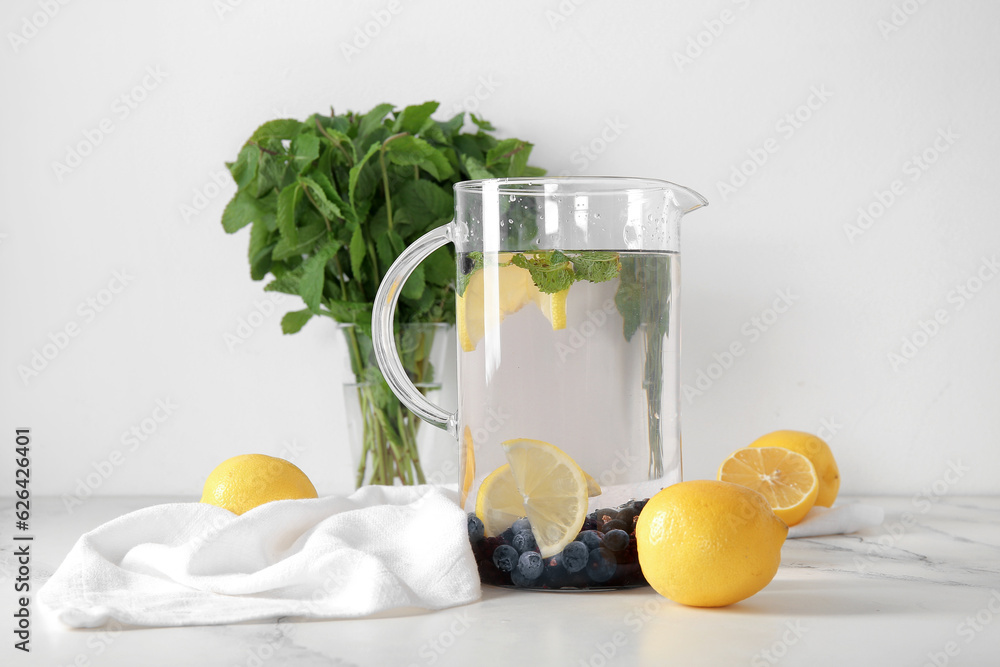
(603, 555)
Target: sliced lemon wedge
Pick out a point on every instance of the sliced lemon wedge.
(516, 291)
(541, 482)
(787, 479)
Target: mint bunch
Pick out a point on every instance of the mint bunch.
(334, 199)
(331, 202)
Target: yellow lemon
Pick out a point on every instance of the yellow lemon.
(499, 504)
(706, 543)
(542, 482)
(516, 291)
(814, 449)
(785, 478)
(243, 482)
(468, 464)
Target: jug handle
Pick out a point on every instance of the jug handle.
(383, 341)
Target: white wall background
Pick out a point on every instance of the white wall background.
(898, 75)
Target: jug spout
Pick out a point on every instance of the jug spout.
(687, 200)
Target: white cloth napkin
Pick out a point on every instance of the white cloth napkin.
(340, 556)
(837, 520)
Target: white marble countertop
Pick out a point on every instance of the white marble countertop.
(921, 589)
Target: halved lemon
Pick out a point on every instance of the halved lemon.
(516, 291)
(785, 478)
(499, 503)
(552, 490)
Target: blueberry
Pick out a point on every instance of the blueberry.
(639, 504)
(530, 565)
(590, 523)
(627, 516)
(519, 579)
(574, 556)
(554, 574)
(505, 557)
(592, 538)
(521, 525)
(476, 529)
(524, 542)
(601, 565)
(616, 540)
(506, 536)
(615, 524)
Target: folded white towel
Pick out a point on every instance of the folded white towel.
(339, 556)
(837, 520)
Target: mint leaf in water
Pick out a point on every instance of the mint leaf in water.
(596, 266)
(550, 271)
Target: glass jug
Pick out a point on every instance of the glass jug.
(568, 329)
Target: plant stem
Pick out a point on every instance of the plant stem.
(385, 186)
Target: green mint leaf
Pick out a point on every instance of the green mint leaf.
(597, 266)
(271, 172)
(519, 161)
(333, 197)
(356, 172)
(241, 210)
(531, 172)
(259, 251)
(451, 127)
(293, 321)
(412, 118)
(283, 128)
(317, 195)
(358, 249)
(305, 148)
(482, 123)
(288, 283)
(439, 268)
(244, 169)
(308, 237)
(425, 203)
(339, 140)
(408, 150)
(437, 165)
(288, 201)
(354, 313)
(628, 299)
(503, 150)
(261, 263)
(475, 168)
(313, 274)
(414, 286)
(373, 119)
(551, 272)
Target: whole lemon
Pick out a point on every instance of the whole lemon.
(243, 482)
(706, 543)
(816, 450)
